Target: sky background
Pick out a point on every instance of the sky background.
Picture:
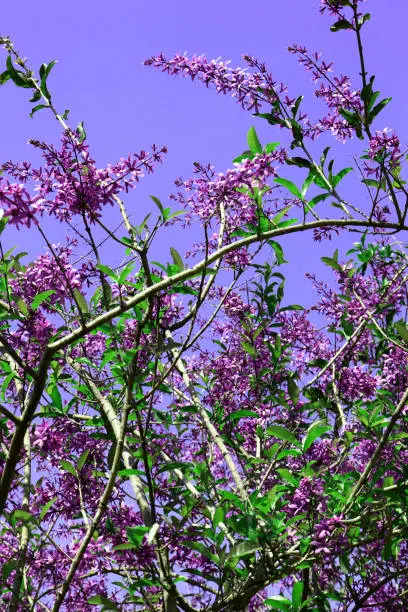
(100, 47)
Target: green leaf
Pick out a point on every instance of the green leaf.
(280, 257)
(108, 271)
(21, 305)
(318, 363)
(319, 198)
(332, 262)
(377, 109)
(367, 90)
(270, 117)
(264, 224)
(45, 70)
(184, 290)
(324, 156)
(295, 107)
(307, 182)
(253, 141)
(374, 183)
(293, 391)
(322, 182)
(81, 132)
(351, 117)
(125, 272)
(292, 307)
(82, 459)
(300, 162)
(129, 472)
(136, 534)
(158, 203)
(80, 301)
(347, 326)
(55, 396)
(248, 348)
(241, 414)
(271, 147)
(288, 476)
(177, 259)
(243, 549)
(387, 551)
(336, 179)
(46, 507)
(68, 467)
(342, 24)
(280, 432)
(287, 223)
(280, 214)
(107, 604)
(38, 107)
(167, 214)
(202, 549)
(290, 186)
(297, 592)
(402, 329)
(4, 77)
(245, 155)
(297, 132)
(315, 431)
(8, 567)
(218, 517)
(18, 77)
(124, 547)
(40, 298)
(364, 18)
(22, 515)
(277, 602)
(7, 382)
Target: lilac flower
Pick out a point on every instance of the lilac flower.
(394, 373)
(325, 233)
(16, 203)
(69, 183)
(45, 274)
(235, 307)
(323, 535)
(209, 190)
(308, 495)
(385, 149)
(335, 91)
(333, 7)
(336, 9)
(250, 90)
(304, 338)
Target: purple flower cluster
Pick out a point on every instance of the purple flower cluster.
(309, 496)
(336, 8)
(250, 90)
(69, 183)
(355, 383)
(335, 91)
(48, 272)
(209, 190)
(247, 452)
(384, 149)
(325, 534)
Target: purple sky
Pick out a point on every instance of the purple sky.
(100, 48)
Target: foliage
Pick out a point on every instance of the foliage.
(174, 435)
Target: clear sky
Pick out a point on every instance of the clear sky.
(100, 47)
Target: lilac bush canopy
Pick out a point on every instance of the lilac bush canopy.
(176, 435)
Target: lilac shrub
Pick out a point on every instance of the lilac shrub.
(176, 436)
